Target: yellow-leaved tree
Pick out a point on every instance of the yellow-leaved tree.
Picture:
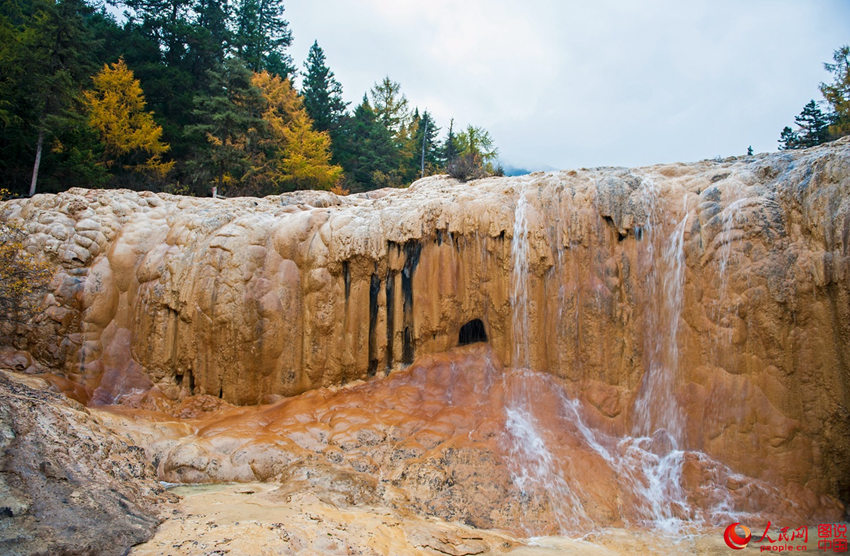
(303, 154)
(131, 137)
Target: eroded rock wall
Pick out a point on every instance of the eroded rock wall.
(250, 299)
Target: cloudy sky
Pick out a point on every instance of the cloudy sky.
(575, 84)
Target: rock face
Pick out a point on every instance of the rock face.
(710, 299)
(461, 438)
(67, 484)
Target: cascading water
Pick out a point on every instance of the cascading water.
(649, 466)
(730, 220)
(656, 409)
(519, 281)
(533, 469)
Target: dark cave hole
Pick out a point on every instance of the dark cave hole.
(472, 332)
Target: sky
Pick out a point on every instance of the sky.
(569, 84)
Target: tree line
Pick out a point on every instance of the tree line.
(813, 126)
(189, 95)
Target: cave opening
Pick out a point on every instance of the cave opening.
(472, 332)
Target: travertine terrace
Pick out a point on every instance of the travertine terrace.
(721, 288)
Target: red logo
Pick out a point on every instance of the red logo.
(733, 540)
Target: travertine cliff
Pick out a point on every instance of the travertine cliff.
(727, 279)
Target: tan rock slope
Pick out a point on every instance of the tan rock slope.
(68, 485)
(716, 291)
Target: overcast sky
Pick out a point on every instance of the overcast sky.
(578, 84)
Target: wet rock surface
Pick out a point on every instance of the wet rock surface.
(696, 316)
(452, 437)
(67, 484)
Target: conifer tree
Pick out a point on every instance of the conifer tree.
(321, 91)
(427, 149)
(813, 125)
(302, 154)
(390, 105)
(367, 152)
(449, 150)
(788, 139)
(229, 120)
(262, 37)
(813, 129)
(42, 61)
(837, 93)
(117, 111)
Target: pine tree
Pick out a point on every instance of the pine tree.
(42, 63)
(262, 37)
(390, 105)
(229, 120)
(426, 140)
(813, 125)
(788, 139)
(367, 152)
(302, 154)
(422, 151)
(750, 150)
(449, 151)
(837, 93)
(117, 111)
(321, 91)
(813, 129)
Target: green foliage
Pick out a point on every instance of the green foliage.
(813, 129)
(262, 36)
(366, 151)
(837, 93)
(229, 122)
(788, 139)
(390, 106)
(321, 92)
(43, 58)
(194, 60)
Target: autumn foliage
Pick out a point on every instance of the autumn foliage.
(129, 134)
(303, 154)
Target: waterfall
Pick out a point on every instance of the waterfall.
(519, 281)
(534, 471)
(649, 464)
(656, 408)
(730, 218)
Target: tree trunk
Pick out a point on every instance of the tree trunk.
(37, 161)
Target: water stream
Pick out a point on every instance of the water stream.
(649, 464)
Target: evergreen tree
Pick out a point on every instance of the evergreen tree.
(262, 37)
(321, 91)
(426, 141)
(42, 63)
(229, 119)
(390, 105)
(837, 93)
(750, 150)
(813, 129)
(449, 151)
(117, 111)
(367, 153)
(788, 139)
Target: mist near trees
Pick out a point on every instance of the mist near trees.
(184, 96)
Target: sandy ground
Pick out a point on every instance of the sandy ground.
(264, 518)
